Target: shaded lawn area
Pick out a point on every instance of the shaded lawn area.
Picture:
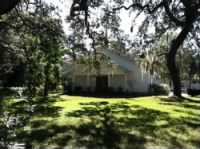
(120, 123)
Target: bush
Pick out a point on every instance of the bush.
(156, 89)
(89, 89)
(111, 90)
(119, 90)
(193, 92)
(7, 92)
(78, 89)
(67, 88)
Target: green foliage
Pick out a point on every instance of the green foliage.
(156, 89)
(85, 122)
(33, 43)
(158, 19)
(193, 92)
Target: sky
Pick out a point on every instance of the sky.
(64, 9)
(126, 17)
(125, 24)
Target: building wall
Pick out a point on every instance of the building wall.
(117, 82)
(80, 81)
(117, 78)
(92, 82)
(139, 82)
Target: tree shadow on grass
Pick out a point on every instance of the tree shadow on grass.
(125, 126)
(20, 115)
(102, 128)
(192, 100)
(104, 125)
(180, 100)
(108, 95)
(187, 106)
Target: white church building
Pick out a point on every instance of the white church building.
(124, 75)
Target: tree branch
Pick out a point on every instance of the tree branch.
(171, 16)
(141, 7)
(150, 10)
(7, 5)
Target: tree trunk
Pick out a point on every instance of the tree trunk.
(46, 81)
(190, 80)
(171, 60)
(46, 87)
(7, 5)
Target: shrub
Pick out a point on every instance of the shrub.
(89, 89)
(78, 89)
(7, 92)
(156, 89)
(193, 92)
(67, 88)
(119, 90)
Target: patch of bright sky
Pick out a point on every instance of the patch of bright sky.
(64, 10)
(126, 16)
(126, 23)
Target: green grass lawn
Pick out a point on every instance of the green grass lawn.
(110, 123)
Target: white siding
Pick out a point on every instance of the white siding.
(117, 81)
(80, 81)
(138, 82)
(92, 82)
(123, 74)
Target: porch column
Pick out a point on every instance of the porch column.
(125, 82)
(109, 80)
(73, 82)
(88, 80)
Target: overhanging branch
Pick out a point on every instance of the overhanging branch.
(7, 5)
(171, 16)
(163, 4)
(141, 7)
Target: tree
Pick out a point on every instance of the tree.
(6, 6)
(46, 49)
(194, 67)
(75, 41)
(164, 15)
(32, 40)
(100, 33)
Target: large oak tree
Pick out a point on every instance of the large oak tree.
(7, 5)
(32, 39)
(175, 13)
(163, 14)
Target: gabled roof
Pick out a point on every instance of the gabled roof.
(116, 59)
(119, 60)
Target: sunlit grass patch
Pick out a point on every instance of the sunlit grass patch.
(91, 122)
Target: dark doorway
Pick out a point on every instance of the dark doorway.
(102, 84)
